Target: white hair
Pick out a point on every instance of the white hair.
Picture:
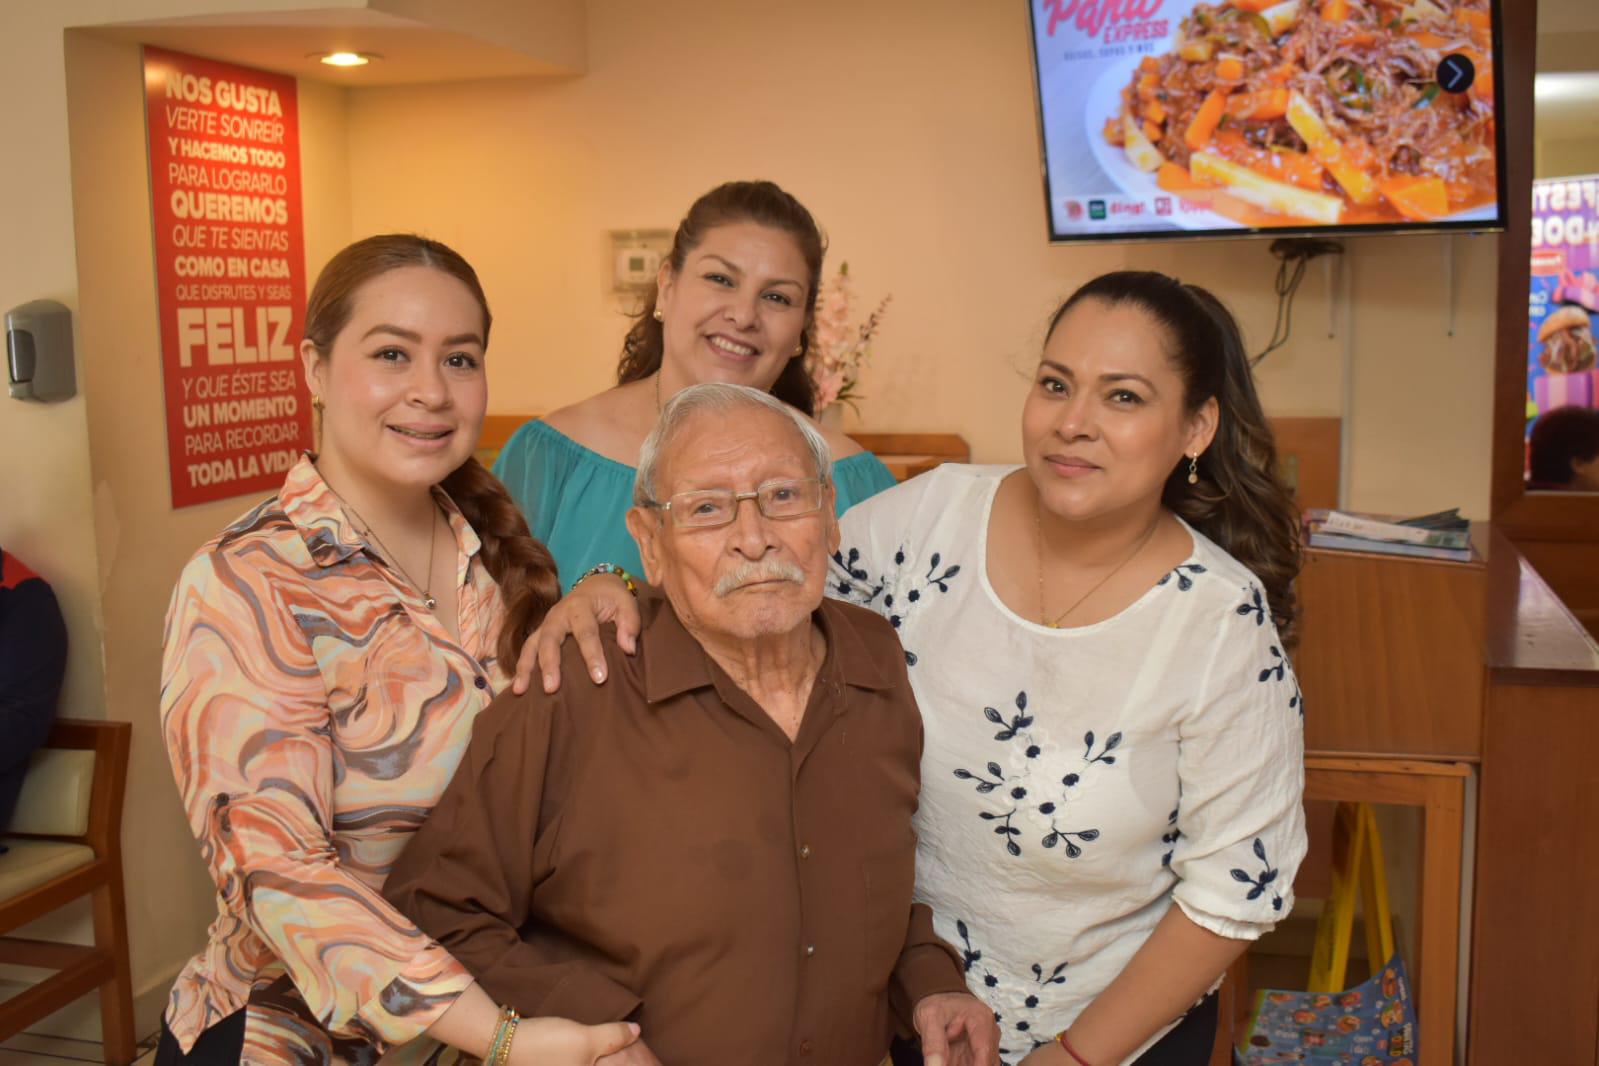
(721, 398)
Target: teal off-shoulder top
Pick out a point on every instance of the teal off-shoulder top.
(575, 499)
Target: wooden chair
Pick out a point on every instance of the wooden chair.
(909, 454)
(497, 429)
(65, 843)
(1308, 458)
(905, 454)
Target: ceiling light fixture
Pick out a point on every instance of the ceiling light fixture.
(346, 59)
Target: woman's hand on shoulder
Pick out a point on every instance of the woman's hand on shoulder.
(579, 614)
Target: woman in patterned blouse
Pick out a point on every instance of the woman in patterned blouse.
(1113, 767)
(324, 658)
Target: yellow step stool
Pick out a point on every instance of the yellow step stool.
(1358, 872)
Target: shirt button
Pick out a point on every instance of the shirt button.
(480, 681)
(805, 1047)
(805, 851)
(810, 949)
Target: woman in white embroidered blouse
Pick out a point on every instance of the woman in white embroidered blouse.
(1113, 771)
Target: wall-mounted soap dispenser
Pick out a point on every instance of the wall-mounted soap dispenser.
(39, 351)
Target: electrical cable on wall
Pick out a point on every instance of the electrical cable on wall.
(1293, 253)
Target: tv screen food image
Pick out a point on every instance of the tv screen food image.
(1161, 117)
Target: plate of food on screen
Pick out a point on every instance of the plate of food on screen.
(1309, 113)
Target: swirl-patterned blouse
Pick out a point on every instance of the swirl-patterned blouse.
(314, 710)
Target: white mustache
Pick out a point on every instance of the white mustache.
(750, 573)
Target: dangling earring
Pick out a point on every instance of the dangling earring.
(316, 401)
(1193, 469)
(658, 316)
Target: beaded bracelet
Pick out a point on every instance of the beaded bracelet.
(609, 568)
(494, 1044)
(1060, 1038)
(500, 1046)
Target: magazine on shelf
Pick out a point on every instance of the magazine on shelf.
(1372, 527)
(1440, 536)
(1334, 542)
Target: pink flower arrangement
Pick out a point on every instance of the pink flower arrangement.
(840, 346)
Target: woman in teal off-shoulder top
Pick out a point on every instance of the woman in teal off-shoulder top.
(575, 498)
(735, 302)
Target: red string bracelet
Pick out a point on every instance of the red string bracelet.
(1060, 1038)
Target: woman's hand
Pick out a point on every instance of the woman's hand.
(558, 1042)
(472, 1020)
(637, 1054)
(580, 613)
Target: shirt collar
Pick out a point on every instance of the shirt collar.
(674, 662)
(329, 535)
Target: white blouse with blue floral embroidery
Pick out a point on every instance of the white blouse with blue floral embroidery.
(1077, 782)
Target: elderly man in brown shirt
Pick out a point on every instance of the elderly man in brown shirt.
(717, 844)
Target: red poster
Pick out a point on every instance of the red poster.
(230, 273)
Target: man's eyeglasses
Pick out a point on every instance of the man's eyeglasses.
(708, 508)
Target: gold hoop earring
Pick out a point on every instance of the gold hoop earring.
(656, 314)
(316, 401)
(1193, 469)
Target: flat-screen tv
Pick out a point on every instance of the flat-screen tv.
(1170, 118)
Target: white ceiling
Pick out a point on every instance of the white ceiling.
(413, 53)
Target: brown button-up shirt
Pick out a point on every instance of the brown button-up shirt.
(656, 848)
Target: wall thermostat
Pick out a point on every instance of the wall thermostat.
(636, 256)
(636, 267)
(39, 351)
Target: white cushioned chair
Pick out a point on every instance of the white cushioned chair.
(65, 842)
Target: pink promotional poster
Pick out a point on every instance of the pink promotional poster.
(1165, 117)
(1561, 369)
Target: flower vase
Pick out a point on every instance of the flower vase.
(832, 417)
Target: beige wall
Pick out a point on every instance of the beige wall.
(1565, 158)
(908, 128)
(548, 30)
(91, 508)
(143, 542)
(47, 517)
(1422, 407)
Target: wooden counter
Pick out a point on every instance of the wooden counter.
(1535, 946)
(1389, 653)
(1407, 659)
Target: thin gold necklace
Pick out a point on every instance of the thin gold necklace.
(1038, 532)
(370, 534)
